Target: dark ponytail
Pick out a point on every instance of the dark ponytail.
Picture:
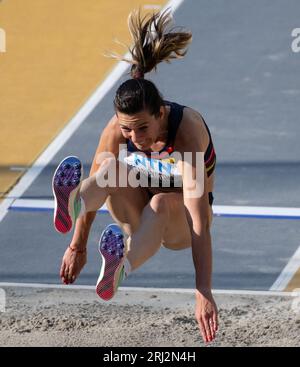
(152, 44)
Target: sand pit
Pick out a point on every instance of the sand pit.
(76, 317)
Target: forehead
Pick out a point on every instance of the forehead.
(134, 119)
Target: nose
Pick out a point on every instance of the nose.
(136, 137)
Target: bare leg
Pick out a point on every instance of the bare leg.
(126, 206)
(93, 195)
(163, 221)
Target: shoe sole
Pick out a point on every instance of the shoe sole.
(65, 185)
(112, 249)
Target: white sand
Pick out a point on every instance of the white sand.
(59, 317)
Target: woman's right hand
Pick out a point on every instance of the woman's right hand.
(73, 261)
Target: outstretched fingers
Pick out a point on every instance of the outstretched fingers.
(62, 272)
(72, 263)
(208, 326)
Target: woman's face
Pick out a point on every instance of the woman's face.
(141, 128)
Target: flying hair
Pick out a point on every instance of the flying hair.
(154, 41)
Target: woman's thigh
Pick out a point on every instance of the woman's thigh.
(126, 206)
(178, 235)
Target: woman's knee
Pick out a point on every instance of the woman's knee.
(160, 204)
(176, 246)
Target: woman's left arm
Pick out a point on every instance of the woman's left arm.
(206, 311)
(195, 194)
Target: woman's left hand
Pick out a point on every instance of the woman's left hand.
(206, 314)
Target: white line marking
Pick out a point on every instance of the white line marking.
(70, 128)
(287, 273)
(217, 209)
(256, 293)
(256, 211)
(38, 204)
(151, 290)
